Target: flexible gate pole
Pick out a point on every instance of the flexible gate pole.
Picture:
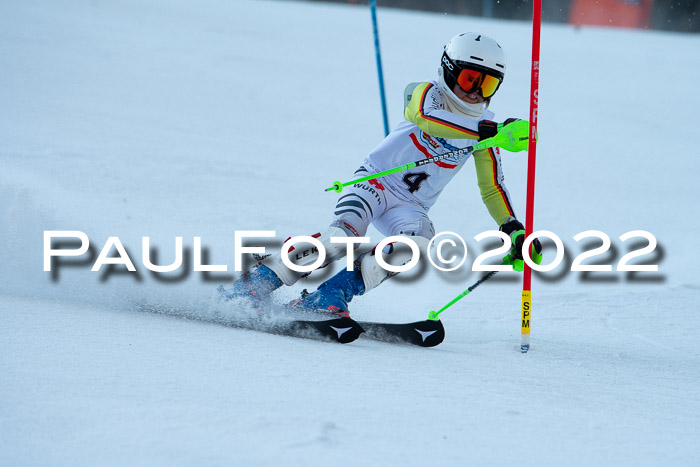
(526, 311)
(373, 9)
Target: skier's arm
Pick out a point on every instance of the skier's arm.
(425, 110)
(491, 184)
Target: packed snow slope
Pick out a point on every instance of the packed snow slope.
(170, 118)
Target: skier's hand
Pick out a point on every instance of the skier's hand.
(515, 230)
(488, 128)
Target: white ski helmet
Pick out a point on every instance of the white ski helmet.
(474, 62)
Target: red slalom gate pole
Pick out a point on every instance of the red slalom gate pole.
(531, 157)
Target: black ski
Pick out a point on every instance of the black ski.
(343, 330)
(426, 333)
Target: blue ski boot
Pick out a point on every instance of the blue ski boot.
(254, 285)
(333, 295)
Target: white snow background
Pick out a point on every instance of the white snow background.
(170, 118)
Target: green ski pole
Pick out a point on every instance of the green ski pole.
(434, 315)
(511, 138)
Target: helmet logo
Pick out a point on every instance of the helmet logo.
(447, 63)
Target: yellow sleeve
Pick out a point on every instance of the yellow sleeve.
(493, 191)
(426, 111)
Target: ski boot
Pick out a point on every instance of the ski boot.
(333, 295)
(254, 285)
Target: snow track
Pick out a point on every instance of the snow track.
(158, 118)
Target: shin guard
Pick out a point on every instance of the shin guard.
(304, 254)
(395, 254)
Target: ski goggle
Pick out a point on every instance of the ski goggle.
(472, 78)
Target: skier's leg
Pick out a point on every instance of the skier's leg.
(336, 293)
(271, 274)
(353, 213)
(400, 219)
(405, 219)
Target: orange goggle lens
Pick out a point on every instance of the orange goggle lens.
(471, 80)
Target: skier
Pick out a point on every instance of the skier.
(441, 116)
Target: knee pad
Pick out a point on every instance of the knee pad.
(304, 254)
(395, 254)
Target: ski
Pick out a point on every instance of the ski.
(342, 330)
(426, 333)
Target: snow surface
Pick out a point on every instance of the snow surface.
(170, 118)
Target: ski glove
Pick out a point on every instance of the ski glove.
(515, 230)
(487, 128)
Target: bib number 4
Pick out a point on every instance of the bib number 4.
(414, 180)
